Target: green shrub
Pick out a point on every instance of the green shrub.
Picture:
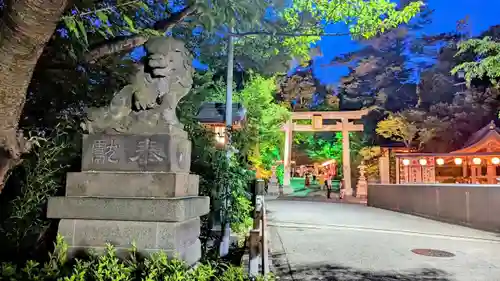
(25, 231)
(109, 267)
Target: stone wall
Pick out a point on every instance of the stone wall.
(476, 206)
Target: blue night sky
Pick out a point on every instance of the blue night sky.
(482, 14)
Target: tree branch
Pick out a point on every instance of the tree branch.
(126, 43)
(287, 34)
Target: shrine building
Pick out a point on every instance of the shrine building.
(478, 162)
(213, 116)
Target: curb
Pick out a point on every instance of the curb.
(278, 261)
(324, 200)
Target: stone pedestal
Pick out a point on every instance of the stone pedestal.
(362, 185)
(133, 188)
(286, 190)
(273, 188)
(384, 168)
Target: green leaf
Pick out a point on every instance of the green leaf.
(103, 34)
(104, 21)
(71, 25)
(72, 53)
(129, 22)
(103, 17)
(144, 6)
(81, 27)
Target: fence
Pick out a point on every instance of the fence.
(472, 205)
(257, 242)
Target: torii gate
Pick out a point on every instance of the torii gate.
(345, 126)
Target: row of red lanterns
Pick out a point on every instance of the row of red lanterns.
(457, 160)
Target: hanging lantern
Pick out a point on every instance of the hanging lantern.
(495, 160)
(220, 134)
(422, 161)
(440, 161)
(406, 162)
(476, 161)
(458, 161)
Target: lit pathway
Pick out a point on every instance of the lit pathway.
(329, 241)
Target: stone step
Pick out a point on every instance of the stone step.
(128, 209)
(146, 235)
(132, 184)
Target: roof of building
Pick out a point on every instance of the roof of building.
(487, 139)
(215, 113)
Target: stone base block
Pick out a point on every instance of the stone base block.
(173, 236)
(273, 190)
(131, 184)
(362, 197)
(286, 190)
(190, 254)
(361, 191)
(128, 209)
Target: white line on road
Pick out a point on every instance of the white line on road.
(388, 231)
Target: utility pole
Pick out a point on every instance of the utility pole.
(229, 93)
(226, 228)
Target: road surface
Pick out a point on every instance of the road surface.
(332, 241)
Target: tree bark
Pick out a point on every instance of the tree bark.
(130, 42)
(25, 29)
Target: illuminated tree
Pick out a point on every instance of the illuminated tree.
(398, 128)
(370, 156)
(320, 149)
(261, 135)
(408, 127)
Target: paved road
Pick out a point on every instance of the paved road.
(330, 241)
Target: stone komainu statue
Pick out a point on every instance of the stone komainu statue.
(147, 104)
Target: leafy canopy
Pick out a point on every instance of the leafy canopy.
(364, 19)
(398, 128)
(296, 26)
(320, 149)
(409, 126)
(487, 63)
(121, 18)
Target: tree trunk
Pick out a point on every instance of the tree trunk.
(25, 28)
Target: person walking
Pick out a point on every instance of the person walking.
(321, 180)
(328, 185)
